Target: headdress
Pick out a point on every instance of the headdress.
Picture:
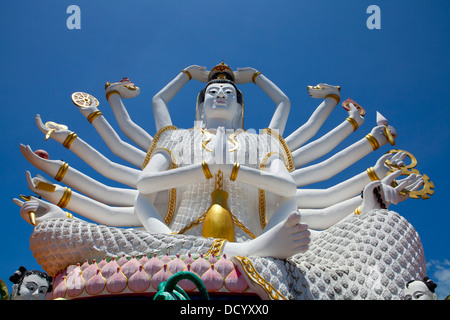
(221, 71)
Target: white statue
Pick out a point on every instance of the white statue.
(256, 179)
(420, 290)
(30, 284)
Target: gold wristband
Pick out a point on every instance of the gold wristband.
(334, 96)
(94, 115)
(255, 75)
(373, 142)
(235, 171)
(353, 123)
(64, 201)
(206, 171)
(110, 93)
(187, 73)
(358, 211)
(372, 175)
(72, 136)
(62, 171)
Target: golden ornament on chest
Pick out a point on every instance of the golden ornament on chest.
(218, 222)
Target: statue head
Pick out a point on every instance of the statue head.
(420, 290)
(221, 99)
(30, 285)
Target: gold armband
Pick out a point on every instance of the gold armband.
(72, 136)
(373, 142)
(64, 201)
(62, 171)
(110, 93)
(372, 174)
(353, 123)
(255, 75)
(206, 171)
(334, 96)
(235, 171)
(94, 115)
(187, 73)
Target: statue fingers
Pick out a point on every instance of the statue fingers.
(391, 177)
(293, 219)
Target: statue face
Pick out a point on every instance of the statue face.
(33, 287)
(417, 290)
(221, 102)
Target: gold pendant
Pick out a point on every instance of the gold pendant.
(218, 222)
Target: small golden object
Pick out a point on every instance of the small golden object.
(353, 123)
(64, 201)
(389, 135)
(373, 142)
(428, 186)
(358, 211)
(49, 133)
(107, 84)
(333, 96)
(70, 138)
(94, 115)
(255, 75)
(69, 215)
(84, 100)
(62, 171)
(206, 171)
(32, 216)
(187, 73)
(44, 186)
(235, 171)
(372, 174)
(53, 126)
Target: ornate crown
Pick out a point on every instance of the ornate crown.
(221, 71)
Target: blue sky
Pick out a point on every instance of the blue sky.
(401, 70)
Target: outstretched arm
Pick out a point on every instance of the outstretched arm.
(125, 89)
(92, 157)
(162, 98)
(322, 198)
(328, 142)
(61, 171)
(283, 105)
(64, 197)
(343, 159)
(331, 96)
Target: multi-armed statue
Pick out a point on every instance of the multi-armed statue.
(219, 189)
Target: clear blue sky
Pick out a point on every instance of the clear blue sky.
(401, 70)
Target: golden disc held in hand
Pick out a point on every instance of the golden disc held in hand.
(84, 100)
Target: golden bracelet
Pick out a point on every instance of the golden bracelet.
(94, 115)
(372, 174)
(188, 73)
(206, 171)
(358, 211)
(62, 171)
(334, 96)
(255, 75)
(72, 136)
(110, 93)
(373, 142)
(353, 123)
(64, 201)
(235, 171)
